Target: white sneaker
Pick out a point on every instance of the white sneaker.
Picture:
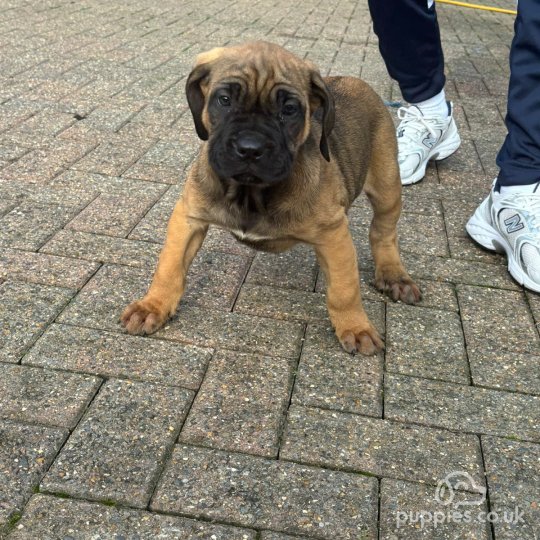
(421, 139)
(511, 224)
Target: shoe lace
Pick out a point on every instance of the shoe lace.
(412, 123)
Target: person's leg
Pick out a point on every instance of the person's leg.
(410, 44)
(519, 157)
(509, 218)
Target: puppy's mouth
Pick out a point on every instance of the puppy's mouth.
(248, 179)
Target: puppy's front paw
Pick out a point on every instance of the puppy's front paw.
(143, 317)
(363, 339)
(398, 286)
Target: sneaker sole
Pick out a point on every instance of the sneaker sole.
(439, 153)
(488, 237)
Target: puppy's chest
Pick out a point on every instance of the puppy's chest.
(247, 213)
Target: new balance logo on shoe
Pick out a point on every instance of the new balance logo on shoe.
(513, 224)
(430, 141)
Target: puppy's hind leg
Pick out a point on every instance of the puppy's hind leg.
(383, 188)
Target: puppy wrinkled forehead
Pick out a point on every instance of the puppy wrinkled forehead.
(260, 68)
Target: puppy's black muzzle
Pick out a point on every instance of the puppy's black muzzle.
(250, 151)
(251, 146)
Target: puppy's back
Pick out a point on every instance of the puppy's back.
(362, 122)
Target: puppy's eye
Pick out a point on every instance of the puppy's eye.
(224, 101)
(290, 108)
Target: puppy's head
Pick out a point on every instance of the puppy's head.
(254, 103)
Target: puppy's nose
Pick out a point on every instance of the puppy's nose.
(250, 145)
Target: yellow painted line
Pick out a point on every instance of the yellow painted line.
(477, 6)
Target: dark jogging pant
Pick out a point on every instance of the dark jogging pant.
(410, 44)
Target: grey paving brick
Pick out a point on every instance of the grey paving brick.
(418, 233)
(331, 378)
(378, 447)
(422, 233)
(267, 535)
(256, 492)
(112, 215)
(25, 310)
(456, 214)
(11, 151)
(111, 118)
(506, 370)
(51, 91)
(102, 248)
(46, 122)
(102, 300)
(436, 295)
(111, 355)
(213, 282)
(40, 166)
(80, 181)
(46, 196)
(84, 132)
(16, 111)
(154, 173)
(29, 226)
(113, 158)
(534, 304)
(51, 517)
(6, 205)
(159, 113)
(145, 89)
(293, 269)
(14, 88)
(246, 333)
(458, 271)
(466, 160)
(465, 248)
(26, 452)
(418, 204)
(241, 404)
(408, 511)
(496, 320)
(162, 132)
(426, 343)
(42, 396)
(161, 163)
(45, 269)
(512, 469)
(118, 448)
(165, 153)
(462, 408)
(285, 304)
(153, 227)
(222, 240)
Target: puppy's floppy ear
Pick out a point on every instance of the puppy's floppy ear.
(194, 91)
(320, 92)
(195, 97)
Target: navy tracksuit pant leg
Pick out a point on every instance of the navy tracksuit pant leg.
(410, 44)
(519, 157)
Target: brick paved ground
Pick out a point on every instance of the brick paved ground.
(242, 418)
